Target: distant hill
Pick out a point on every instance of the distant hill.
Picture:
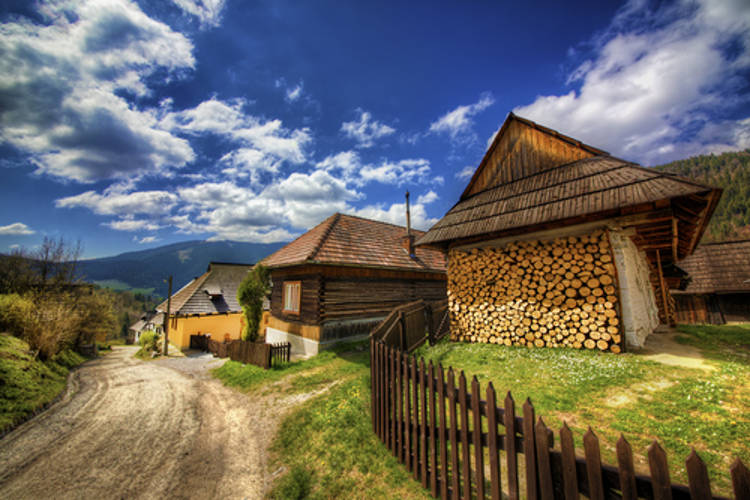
(144, 271)
(730, 171)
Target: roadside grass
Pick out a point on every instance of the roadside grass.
(644, 400)
(27, 383)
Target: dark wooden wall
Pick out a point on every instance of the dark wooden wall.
(309, 310)
(712, 309)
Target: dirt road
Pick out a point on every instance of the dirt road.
(132, 429)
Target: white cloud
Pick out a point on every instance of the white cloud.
(116, 203)
(208, 12)
(62, 83)
(228, 119)
(294, 93)
(659, 83)
(366, 130)
(398, 173)
(466, 172)
(427, 198)
(16, 229)
(396, 214)
(145, 239)
(132, 225)
(458, 123)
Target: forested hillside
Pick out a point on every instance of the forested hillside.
(730, 171)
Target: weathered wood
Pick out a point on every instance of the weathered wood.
(568, 452)
(477, 438)
(657, 462)
(740, 480)
(400, 405)
(433, 431)
(407, 414)
(443, 428)
(509, 420)
(626, 470)
(423, 424)
(464, 434)
(593, 465)
(492, 438)
(700, 486)
(393, 407)
(529, 450)
(546, 490)
(453, 435)
(415, 418)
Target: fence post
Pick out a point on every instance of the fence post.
(401, 331)
(428, 317)
(373, 386)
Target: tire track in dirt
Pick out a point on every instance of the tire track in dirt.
(133, 429)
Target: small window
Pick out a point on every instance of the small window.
(292, 294)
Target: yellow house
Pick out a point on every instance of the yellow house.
(208, 305)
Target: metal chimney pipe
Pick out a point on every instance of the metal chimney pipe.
(408, 217)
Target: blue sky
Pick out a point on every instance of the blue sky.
(130, 125)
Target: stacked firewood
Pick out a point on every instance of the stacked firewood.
(560, 292)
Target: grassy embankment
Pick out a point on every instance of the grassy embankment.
(329, 449)
(29, 384)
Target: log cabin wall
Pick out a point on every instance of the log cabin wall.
(309, 297)
(559, 292)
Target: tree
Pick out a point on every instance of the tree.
(250, 295)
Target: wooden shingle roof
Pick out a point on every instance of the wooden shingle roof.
(214, 291)
(533, 177)
(719, 268)
(355, 241)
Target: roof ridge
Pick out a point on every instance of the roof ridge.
(336, 218)
(379, 222)
(670, 175)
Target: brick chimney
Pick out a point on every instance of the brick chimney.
(408, 241)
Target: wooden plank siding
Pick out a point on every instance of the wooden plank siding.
(309, 310)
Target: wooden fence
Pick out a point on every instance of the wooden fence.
(408, 326)
(263, 355)
(445, 448)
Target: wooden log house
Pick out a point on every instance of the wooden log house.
(719, 288)
(341, 278)
(557, 243)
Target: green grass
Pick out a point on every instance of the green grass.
(120, 286)
(28, 383)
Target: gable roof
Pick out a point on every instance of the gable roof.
(214, 291)
(719, 268)
(532, 176)
(355, 241)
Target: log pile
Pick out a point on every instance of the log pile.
(560, 292)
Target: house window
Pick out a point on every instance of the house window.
(292, 292)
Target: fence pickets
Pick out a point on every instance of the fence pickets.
(259, 354)
(436, 429)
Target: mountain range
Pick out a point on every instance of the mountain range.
(146, 271)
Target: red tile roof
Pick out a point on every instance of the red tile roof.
(354, 241)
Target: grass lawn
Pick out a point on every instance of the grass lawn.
(644, 400)
(27, 383)
(329, 450)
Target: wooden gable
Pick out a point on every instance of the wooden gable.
(522, 148)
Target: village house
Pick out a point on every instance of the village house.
(207, 305)
(152, 320)
(719, 288)
(556, 243)
(338, 280)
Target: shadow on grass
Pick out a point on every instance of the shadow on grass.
(718, 342)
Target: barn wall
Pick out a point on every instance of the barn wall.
(640, 315)
(734, 306)
(555, 292)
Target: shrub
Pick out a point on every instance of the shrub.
(250, 295)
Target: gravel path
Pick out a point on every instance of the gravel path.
(132, 429)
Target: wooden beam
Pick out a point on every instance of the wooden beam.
(662, 286)
(675, 240)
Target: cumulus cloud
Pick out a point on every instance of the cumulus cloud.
(466, 172)
(16, 229)
(208, 12)
(132, 225)
(118, 203)
(63, 83)
(458, 123)
(427, 198)
(349, 166)
(146, 239)
(294, 93)
(660, 84)
(365, 130)
(396, 214)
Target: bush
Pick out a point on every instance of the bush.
(250, 295)
(295, 485)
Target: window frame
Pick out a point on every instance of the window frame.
(287, 285)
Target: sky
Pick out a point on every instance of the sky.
(129, 125)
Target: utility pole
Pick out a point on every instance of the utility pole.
(166, 318)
